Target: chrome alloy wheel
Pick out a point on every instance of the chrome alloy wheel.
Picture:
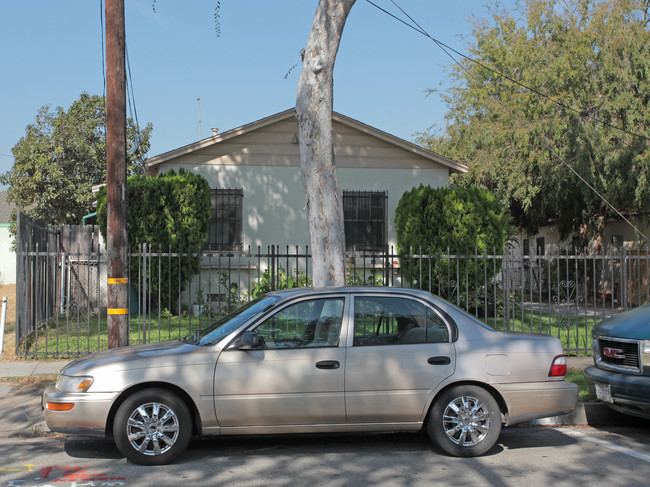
(152, 428)
(466, 421)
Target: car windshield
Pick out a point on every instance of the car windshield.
(214, 332)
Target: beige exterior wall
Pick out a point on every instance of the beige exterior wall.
(265, 164)
(614, 229)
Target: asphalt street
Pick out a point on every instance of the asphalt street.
(537, 456)
(533, 455)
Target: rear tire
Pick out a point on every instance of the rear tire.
(152, 427)
(465, 421)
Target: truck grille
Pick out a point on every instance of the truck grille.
(619, 354)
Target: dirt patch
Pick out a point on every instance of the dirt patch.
(9, 347)
(9, 291)
(27, 383)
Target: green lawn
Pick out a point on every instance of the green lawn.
(81, 334)
(72, 337)
(573, 332)
(578, 377)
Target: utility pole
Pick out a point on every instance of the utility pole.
(118, 331)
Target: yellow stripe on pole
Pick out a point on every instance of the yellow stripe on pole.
(118, 280)
(117, 311)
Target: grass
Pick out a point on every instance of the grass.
(82, 333)
(68, 337)
(578, 377)
(574, 332)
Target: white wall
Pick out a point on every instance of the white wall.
(7, 257)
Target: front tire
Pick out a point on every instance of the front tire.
(465, 421)
(152, 427)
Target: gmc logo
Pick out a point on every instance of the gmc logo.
(610, 352)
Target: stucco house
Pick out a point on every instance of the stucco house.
(257, 193)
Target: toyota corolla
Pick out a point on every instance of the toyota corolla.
(317, 361)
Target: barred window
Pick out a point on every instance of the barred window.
(365, 219)
(541, 246)
(224, 231)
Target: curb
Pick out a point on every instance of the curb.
(589, 414)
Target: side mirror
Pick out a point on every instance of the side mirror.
(249, 339)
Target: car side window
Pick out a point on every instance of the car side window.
(388, 321)
(310, 323)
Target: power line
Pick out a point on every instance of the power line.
(445, 48)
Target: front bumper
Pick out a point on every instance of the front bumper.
(87, 417)
(630, 394)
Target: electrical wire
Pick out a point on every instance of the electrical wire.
(445, 48)
(129, 87)
(551, 149)
(130, 95)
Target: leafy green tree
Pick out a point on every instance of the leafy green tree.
(592, 61)
(430, 221)
(171, 211)
(61, 156)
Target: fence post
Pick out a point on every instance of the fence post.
(272, 268)
(506, 282)
(624, 278)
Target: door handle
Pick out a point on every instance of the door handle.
(439, 360)
(328, 364)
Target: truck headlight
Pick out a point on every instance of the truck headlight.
(68, 383)
(645, 353)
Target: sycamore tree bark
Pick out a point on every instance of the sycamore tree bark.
(314, 104)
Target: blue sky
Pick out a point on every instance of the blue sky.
(51, 51)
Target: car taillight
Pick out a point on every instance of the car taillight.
(558, 368)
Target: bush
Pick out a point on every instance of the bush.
(464, 220)
(169, 211)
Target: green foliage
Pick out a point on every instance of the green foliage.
(592, 56)
(61, 156)
(171, 211)
(358, 277)
(278, 281)
(430, 220)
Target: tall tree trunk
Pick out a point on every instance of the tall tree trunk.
(314, 105)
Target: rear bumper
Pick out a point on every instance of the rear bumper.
(87, 417)
(630, 394)
(535, 400)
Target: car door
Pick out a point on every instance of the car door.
(400, 351)
(294, 377)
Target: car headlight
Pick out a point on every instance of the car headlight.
(645, 352)
(68, 383)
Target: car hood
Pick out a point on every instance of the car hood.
(634, 324)
(138, 356)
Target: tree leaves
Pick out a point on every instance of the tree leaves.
(592, 61)
(61, 156)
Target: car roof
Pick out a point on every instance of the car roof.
(287, 293)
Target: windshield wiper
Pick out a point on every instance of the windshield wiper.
(192, 338)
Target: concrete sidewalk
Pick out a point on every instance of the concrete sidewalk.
(30, 368)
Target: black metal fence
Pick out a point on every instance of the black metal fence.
(61, 292)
